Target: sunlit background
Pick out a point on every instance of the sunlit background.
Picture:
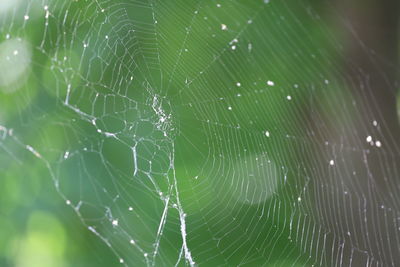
(227, 133)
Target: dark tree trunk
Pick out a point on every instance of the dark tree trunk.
(371, 52)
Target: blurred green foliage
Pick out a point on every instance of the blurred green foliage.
(217, 129)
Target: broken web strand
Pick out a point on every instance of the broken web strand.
(92, 120)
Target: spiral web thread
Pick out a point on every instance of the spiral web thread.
(177, 132)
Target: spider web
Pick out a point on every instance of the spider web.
(201, 132)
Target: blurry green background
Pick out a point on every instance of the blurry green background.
(225, 126)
